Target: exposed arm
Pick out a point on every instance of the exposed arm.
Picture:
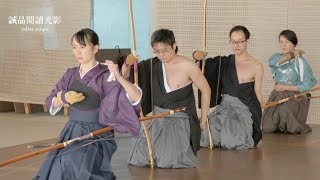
(126, 67)
(258, 82)
(133, 92)
(125, 70)
(200, 81)
(283, 87)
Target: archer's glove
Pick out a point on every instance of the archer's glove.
(292, 55)
(130, 59)
(199, 55)
(70, 97)
(298, 52)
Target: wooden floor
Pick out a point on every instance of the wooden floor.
(277, 157)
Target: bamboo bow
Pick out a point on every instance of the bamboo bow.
(204, 48)
(274, 103)
(135, 66)
(57, 146)
(87, 136)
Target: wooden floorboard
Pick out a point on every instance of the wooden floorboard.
(277, 157)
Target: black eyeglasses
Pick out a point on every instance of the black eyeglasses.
(237, 42)
(163, 51)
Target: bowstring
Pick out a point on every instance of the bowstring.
(107, 138)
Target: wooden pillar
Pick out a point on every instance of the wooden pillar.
(66, 110)
(45, 109)
(27, 108)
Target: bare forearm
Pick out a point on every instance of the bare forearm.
(292, 88)
(260, 99)
(205, 104)
(125, 71)
(132, 90)
(282, 87)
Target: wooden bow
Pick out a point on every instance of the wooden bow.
(57, 146)
(204, 48)
(160, 115)
(274, 103)
(84, 137)
(135, 66)
(204, 34)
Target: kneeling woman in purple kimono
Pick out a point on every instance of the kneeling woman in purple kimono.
(95, 101)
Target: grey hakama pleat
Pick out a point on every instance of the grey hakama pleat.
(230, 125)
(170, 139)
(289, 117)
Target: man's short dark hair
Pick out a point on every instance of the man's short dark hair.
(240, 28)
(165, 36)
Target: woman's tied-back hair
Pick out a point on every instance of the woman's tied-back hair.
(164, 36)
(290, 36)
(240, 28)
(86, 35)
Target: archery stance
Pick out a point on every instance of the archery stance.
(166, 82)
(235, 123)
(292, 75)
(95, 102)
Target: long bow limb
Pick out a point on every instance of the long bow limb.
(84, 137)
(204, 48)
(301, 99)
(135, 65)
(204, 33)
(274, 103)
(160, 115)
(57, 146)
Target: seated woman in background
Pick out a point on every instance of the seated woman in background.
(292, 75)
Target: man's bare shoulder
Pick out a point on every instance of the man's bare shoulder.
(257, 66)
(255, 63)
(185, 61)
